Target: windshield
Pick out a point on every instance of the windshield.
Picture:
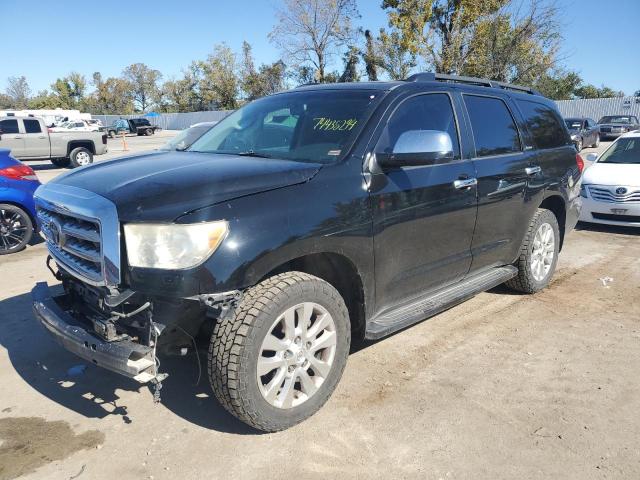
(315, 126)
(618, 119)
(573, 124)
(625, 150)
(186, 137)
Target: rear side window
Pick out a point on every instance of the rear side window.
(494, 130)
(543, 123)
(9, 126)
(32, 126)
(423, 112)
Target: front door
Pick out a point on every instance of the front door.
(11, 138)
(423, 218)
(36, 141)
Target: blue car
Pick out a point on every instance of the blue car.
(17, 210)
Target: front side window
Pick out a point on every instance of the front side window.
(314, 126)
(544, 125)
(32, 126)
(494, 130)
(422, 112)
(9, 126)
(624, 150)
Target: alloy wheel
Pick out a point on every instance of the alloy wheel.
(13, 229)
(543, 252)
(296, 355)
(83, 158)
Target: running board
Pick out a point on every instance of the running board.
(397, 318)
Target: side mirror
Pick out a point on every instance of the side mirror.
(418, 147)
(592, 157)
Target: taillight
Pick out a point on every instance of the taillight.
(579, 162)
(18, 172)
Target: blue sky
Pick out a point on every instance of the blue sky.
(51, 38)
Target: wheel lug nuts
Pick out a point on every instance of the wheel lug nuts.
(308, 345)
(291, 369)
(298, 340)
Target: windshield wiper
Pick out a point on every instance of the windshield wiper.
(251, 153)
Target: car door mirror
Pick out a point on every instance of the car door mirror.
(418, 147)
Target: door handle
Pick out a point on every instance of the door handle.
(465, 183)
(533, 170)
(17, 137)
(42, 137)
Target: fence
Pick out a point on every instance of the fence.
(171, 121)
(599, 107)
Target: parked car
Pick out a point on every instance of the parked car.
(186, 137)
(28, 138)
(584, 132)
(18, 182)
(611, 185)
(76, 126)
(612, 126)
(139, 126)
(303, 221)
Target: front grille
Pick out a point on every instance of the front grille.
(74, 242)
(609, 195)
(605, 129)
(616, 218)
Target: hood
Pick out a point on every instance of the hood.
(612, 174)
(161, 186)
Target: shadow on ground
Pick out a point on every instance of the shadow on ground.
(96, 393)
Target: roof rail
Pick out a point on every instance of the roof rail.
(482, 82)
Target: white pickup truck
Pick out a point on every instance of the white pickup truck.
(29, 138)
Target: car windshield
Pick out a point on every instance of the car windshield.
(315, 126)
(573, 124)
(625, 150)
(186, 137)
(618, 119)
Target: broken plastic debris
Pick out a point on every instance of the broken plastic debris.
(76, 370)
(606, 281)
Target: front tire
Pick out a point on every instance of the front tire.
(148, 132)
(79, 157)
(278, 358)
(538, 254)
(60, 162)
(16, 229)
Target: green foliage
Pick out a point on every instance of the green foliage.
(591, 91)
(143, 82)
(558, 85)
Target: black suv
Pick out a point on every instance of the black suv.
(303, 221)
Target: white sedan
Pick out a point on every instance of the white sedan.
(611, 186)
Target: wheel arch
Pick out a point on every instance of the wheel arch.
(88, 144)
(556, 204)
(340, 272)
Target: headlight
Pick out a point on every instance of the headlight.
(172, 246)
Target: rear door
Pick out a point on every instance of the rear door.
(501, 166)
(11, 138)
(36, 141)
(423, 224)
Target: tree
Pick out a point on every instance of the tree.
(219, 84)
(558, 85)
(351, 59)
(6, 102)
(70, 91)
(110, 96)
(636, 93)
(18, 91)
(591, 91)
(143, 82)
(256, 83)
(370, 57)
(310, 32)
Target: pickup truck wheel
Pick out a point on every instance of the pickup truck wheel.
(148, 132)
(279, 357)
(60, 162)
(538, 254)
(16, 229)
(80, 157)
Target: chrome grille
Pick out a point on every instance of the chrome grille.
(609, 195)
(82, 232)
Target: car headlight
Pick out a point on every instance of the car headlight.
(172, 246)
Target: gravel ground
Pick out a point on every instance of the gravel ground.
(502, 386)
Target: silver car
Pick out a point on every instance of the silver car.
(612, 126)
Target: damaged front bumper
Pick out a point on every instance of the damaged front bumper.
(123, 356)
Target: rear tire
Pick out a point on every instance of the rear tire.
(538, 254)
(273, 314)
(79, 157)
(148, 132)
(16, 229)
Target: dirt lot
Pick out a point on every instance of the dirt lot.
(502, 386)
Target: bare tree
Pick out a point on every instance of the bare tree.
(310, 32)
(144, 84)
(18, 91)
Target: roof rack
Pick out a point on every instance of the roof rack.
(482, 82)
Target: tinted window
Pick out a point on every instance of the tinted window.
(9, 126)
(544, 125)
(494, 131)
(424, 112)
(32, 126)
(625, 150)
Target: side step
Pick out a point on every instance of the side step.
(397, 318)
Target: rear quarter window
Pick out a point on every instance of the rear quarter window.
(544, 125)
